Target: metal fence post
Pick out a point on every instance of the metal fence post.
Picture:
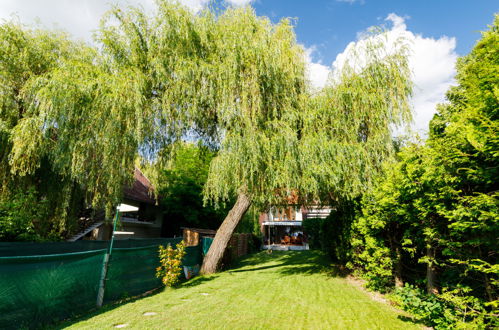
(105, 263)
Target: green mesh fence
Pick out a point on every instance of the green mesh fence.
(28, 249)
(35, 290)
(206, 243)
(47, 282)
(193, 256)
(131, 272)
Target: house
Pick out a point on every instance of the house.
(282, 227)
(146, 223)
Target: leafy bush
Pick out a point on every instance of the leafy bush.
(22, 216)
(373, 263)
(254, 243)
(426, 308)
(453, 309)
(339, 232)
(170, 267)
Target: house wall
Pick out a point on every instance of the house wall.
(147, 212)
(139, 231)
(148, 229)
(289, 213)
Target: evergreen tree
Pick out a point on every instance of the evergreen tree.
(437, 205)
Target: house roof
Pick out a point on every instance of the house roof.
(141, 189)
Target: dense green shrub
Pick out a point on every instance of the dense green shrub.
(333, 234)
(23, 217)
(432, 219)
(339, 233)
(453, 309)
(255, 243)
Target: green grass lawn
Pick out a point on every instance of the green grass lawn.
(282, 290)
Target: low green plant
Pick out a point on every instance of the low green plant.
(170, 267)
(452, 309)
(426, 308)
(466, 311)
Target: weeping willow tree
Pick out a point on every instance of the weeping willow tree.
(323, 147)
(232, 79)
(27, 178)
(85, 119)
(73, 117)
(86, 113)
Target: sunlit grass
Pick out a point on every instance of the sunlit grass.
(283, 290)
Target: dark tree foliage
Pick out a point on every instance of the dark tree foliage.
(333, 234)
(180, 189)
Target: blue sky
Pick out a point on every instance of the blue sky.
(438, 32)
(332, 24)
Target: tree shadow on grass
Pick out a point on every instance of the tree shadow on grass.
(412, 320)
(290, 263)
(253, 269)
(113, 305)
(105, 308)
(198, 280)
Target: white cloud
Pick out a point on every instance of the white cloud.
(317, 72)
(239, 3)
(351, 1)
(195, 5)
(432, 62)
(398, 22)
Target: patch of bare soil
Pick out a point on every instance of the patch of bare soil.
(376, 296)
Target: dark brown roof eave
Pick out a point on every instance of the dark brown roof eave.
(141, 189)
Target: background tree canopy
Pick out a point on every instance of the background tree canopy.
(180, 189)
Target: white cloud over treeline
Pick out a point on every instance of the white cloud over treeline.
(432, 62)
(317, 72)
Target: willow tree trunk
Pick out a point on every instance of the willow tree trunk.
(224, 233)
